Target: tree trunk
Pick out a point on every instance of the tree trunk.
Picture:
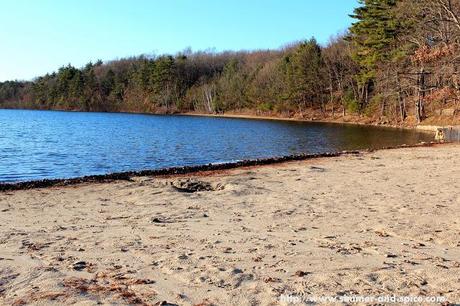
(383, 107)
(402, 103)
(208, 91)
(419, 105)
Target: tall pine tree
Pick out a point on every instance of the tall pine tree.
(373, 36)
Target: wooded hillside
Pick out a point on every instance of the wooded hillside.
(398, 63)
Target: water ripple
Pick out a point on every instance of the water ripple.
(50, 144)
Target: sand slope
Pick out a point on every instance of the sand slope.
(381, 223)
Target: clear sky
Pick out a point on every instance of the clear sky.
(39, 36)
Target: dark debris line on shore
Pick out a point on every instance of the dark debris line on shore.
(126, 176)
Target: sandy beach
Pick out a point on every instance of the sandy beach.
(371, 224)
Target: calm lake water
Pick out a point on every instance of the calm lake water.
(51, 144)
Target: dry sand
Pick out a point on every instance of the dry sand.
(379, 223)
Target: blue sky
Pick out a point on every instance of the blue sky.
(39, 36)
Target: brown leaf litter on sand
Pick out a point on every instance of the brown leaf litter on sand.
(102, 285)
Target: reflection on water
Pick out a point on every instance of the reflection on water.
(50, 144)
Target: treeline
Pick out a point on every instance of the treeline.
(397, 63)
(284, 81)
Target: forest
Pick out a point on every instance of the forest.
(398, 63)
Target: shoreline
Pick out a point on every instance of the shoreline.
(190, 170)
(294, 119)
(424, 128)
(383, 223)
(429, 128)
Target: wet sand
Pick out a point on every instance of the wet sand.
(377, 223)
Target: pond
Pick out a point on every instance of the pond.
(52, 144)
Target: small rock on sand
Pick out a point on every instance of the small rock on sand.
(79, 265)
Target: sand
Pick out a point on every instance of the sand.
(379, 223)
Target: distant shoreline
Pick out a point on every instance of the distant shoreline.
(351, 120)
(296, 119)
